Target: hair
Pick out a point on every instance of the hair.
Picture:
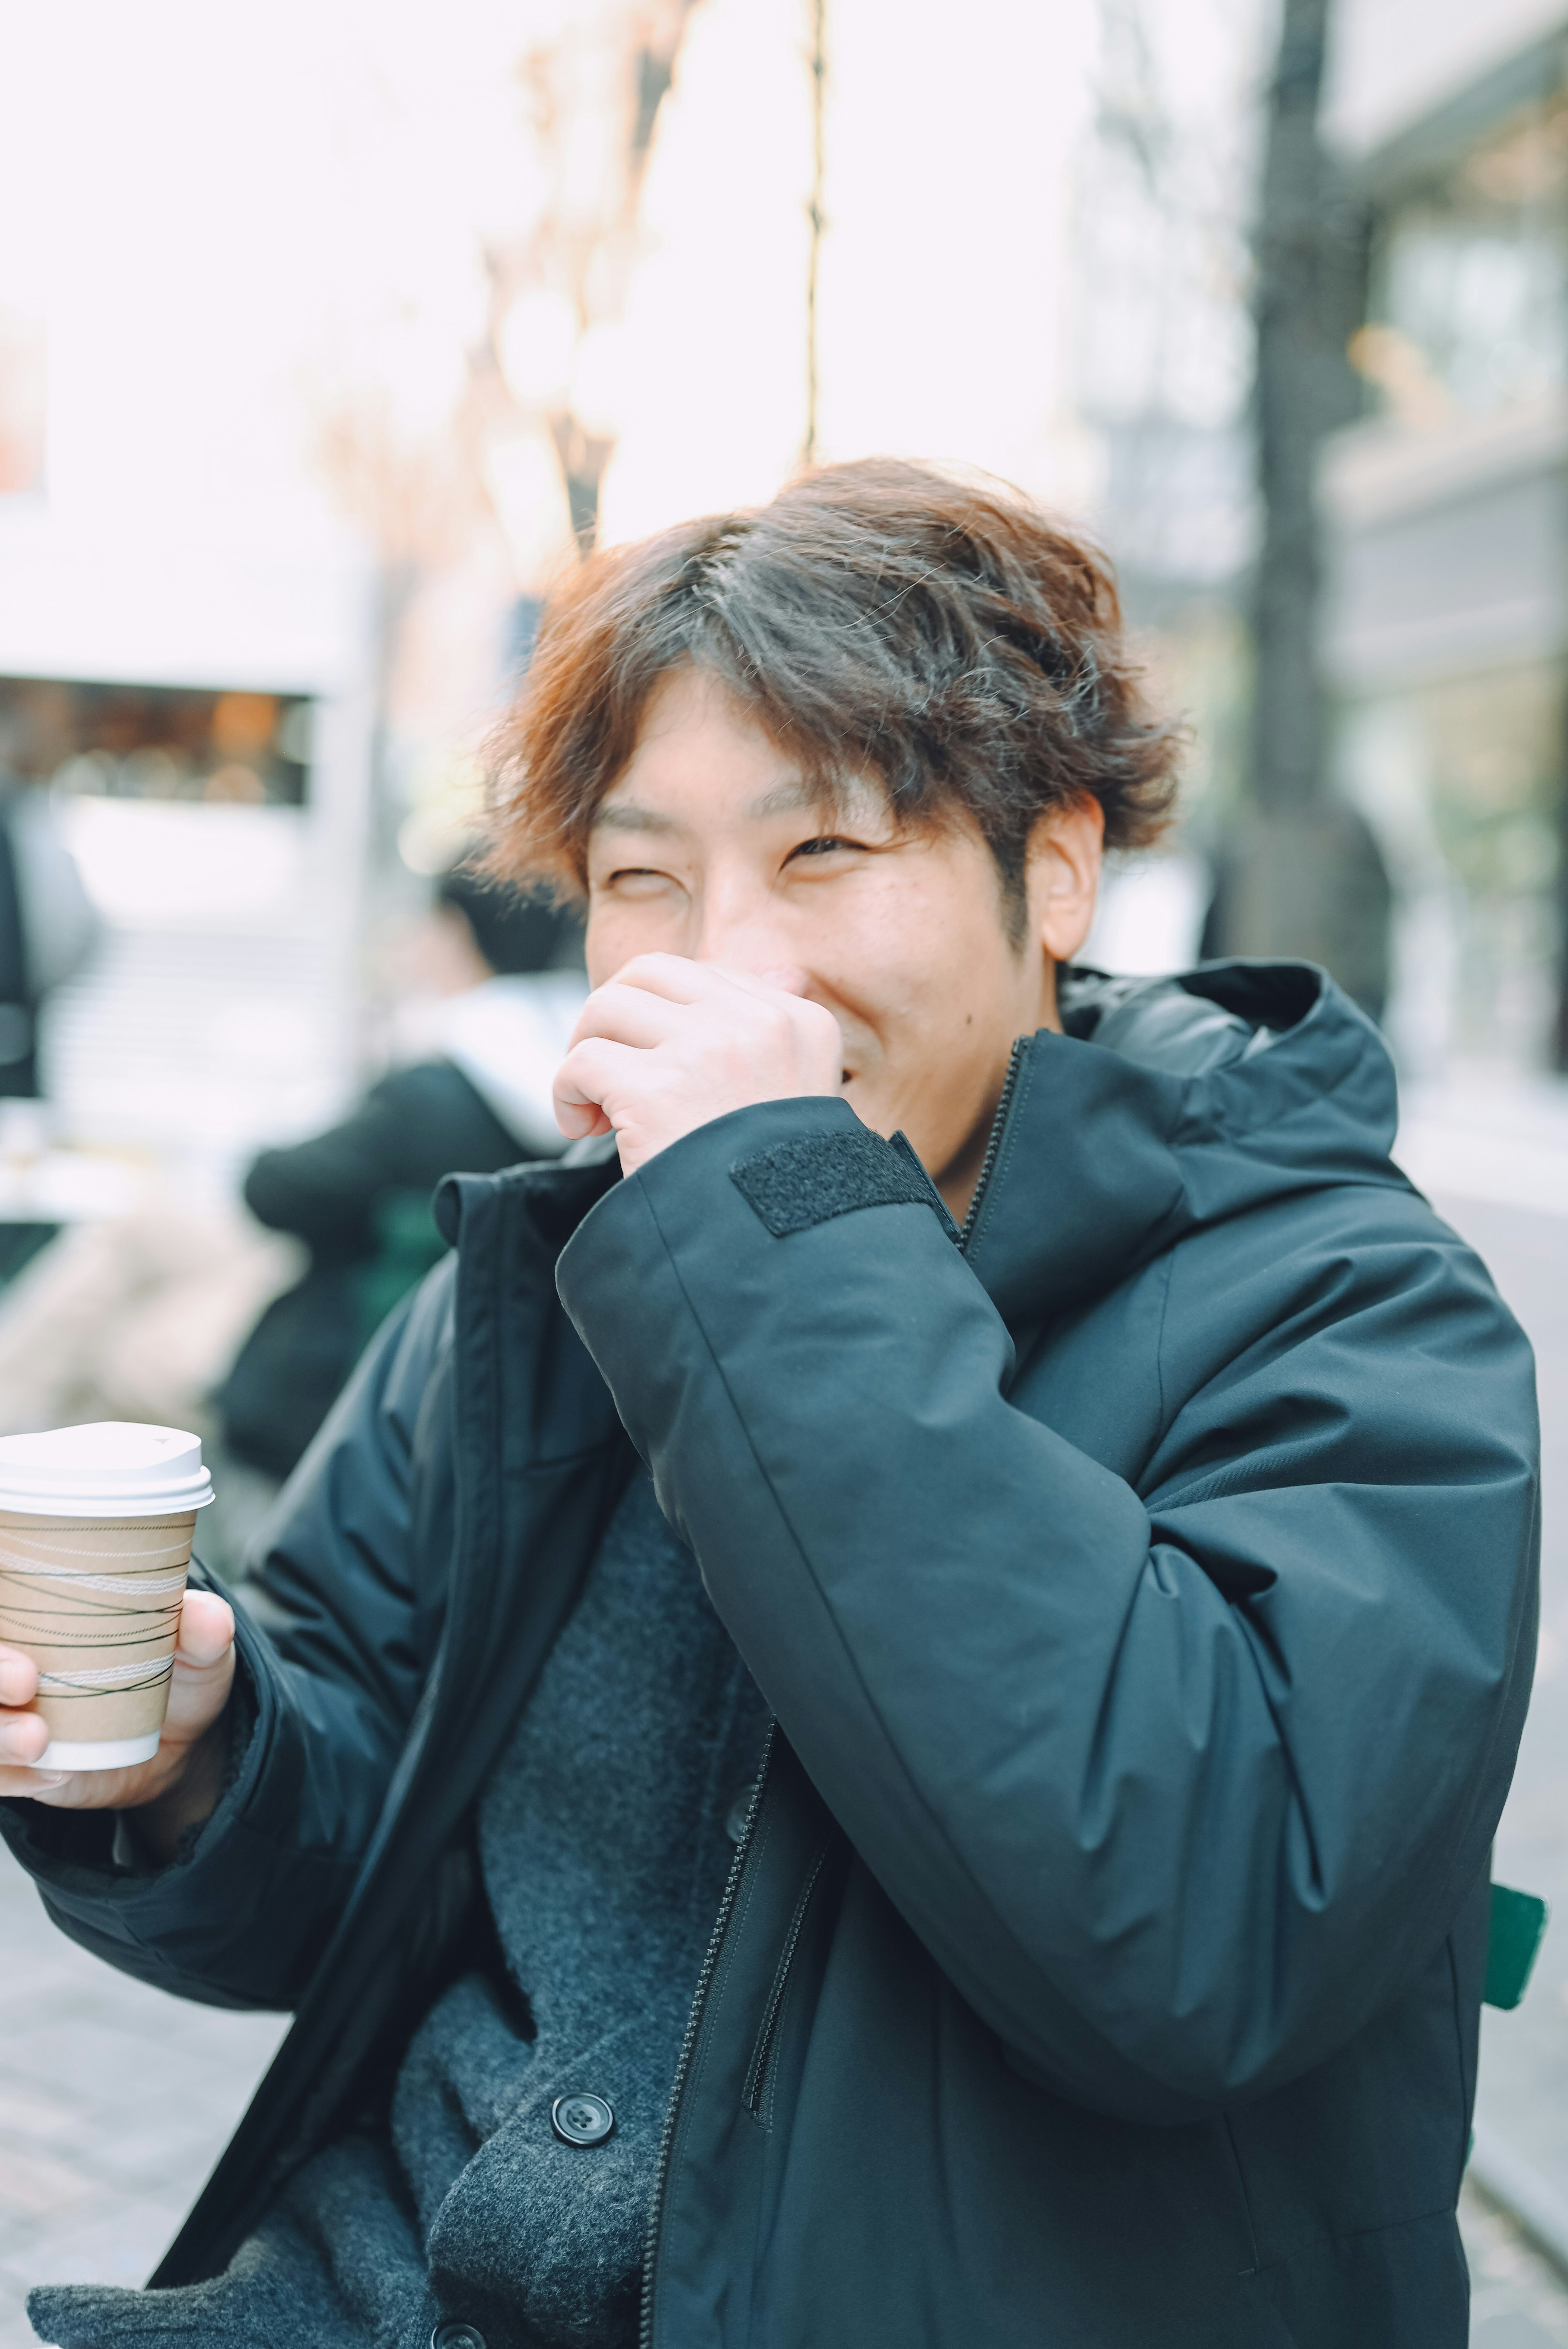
(875, 619)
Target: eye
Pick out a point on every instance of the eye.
(830, 844)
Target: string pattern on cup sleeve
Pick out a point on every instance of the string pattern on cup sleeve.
(94, 1679)
(58, 1606)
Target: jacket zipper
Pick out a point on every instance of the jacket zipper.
(994, 1143)
(693, 2021)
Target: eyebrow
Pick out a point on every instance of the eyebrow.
(623, 815)
(792, 798)
(786, 799)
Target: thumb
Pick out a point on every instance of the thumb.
(206, 1630)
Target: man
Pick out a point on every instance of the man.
(1114, 1498)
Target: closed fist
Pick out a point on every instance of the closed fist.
(667, 1045)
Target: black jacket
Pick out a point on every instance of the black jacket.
(358, 1196)
(1145, 1591)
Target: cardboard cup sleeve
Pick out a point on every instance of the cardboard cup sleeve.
(96, 1601)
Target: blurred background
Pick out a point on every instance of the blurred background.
(329, 338)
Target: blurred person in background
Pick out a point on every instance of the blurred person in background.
(139, 1317)
(888, 1694)
(47, 931)
(509, 969)
(48, 927)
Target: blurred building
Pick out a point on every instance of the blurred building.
(201, 719)
(1447, 626)
(237, 596)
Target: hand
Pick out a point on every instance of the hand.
(180, 1783)
(669, 1044)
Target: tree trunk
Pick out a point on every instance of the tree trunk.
(1298, 398)
(1301, 874)
(1560, 1025)
(816, 221)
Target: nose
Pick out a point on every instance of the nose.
(741, 926)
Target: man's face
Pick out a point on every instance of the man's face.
(711, 847)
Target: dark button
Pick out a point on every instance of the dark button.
(738, 1813)
(582, 2120)
(457, 2336)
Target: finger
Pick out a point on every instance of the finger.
(680, 980)
(18, 1677)
(627, 1015)
(593, 1072)
(581, 1121)
(78, 1790)
(23, 1737)
(28, 1784)
(675, 977)
(806, 1014)
(206, 1630)
(764, 985)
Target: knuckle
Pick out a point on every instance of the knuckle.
(820, 1029)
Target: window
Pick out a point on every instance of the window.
(158, 742)
(1469, 308)
(1463, 779)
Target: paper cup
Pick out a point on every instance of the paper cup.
(96, 1526)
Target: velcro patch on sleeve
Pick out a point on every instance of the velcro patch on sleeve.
(799, 1183)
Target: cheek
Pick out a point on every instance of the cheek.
(617, 931)
(895, 972)
(941, 1016)
(933, 980)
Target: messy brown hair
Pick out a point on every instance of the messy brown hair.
(877, 617)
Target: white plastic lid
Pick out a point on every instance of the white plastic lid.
(115, 1468)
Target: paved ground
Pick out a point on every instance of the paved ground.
(114, 2100)
(1524, 2094)
(1517, 2301)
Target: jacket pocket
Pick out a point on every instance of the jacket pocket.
(759, 2070)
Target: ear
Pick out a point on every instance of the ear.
(1065, 850)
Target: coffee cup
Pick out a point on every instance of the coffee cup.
(96, 1527)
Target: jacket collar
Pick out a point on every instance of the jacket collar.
(1084, 1185)
(1105, 1159)
(555, 1193)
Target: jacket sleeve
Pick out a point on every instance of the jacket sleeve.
(327, 1689)
(1180, 1785)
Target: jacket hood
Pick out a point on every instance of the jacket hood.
(1168, 1104)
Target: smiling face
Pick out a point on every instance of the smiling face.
(710, 844)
